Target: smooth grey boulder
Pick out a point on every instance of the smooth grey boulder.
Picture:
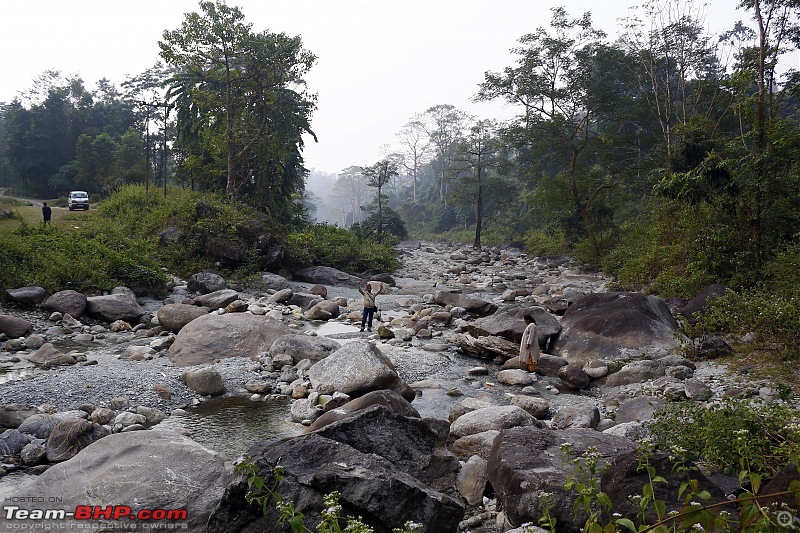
(474, 306)
(325, 276)
(507, 323)
(205, 282)
(142, 469)
(638, 409)
(274, 281)
(14, 414)
(610, 325)
(355, 369)
(12, 441)
(212, 336)
(49, 355)
(39, 425)
(26, 296)
(206, 381)
(217, 299)
(66, 302)
(526, 462)
(173, 317)
(487, 418)
(386, 398)
(14, 327)
(301, 347)
(121, 304)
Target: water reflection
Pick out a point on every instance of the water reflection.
(230, 425)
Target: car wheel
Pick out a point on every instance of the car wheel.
(70, 208)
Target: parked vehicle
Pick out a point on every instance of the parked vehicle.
(78, 200)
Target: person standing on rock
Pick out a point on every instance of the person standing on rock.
(46, 212)
(369, 305)
(529, 347)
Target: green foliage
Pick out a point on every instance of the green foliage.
(54, 259)
(764, 436)
(321, 244)
(548, 241)
(392, 226)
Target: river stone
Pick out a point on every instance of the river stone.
(205, 282)
(487, 347)
(387, 398)
(212, 336)
(274, 281)
(577, 416)
(479, 444)
(605, 325)
(14, 327)
(474, 306)
(471, 480)
(72, 435)
(324, 310)
(515, 377)
(49, 355)
(507, 322)
(217, 299)
(538, 407)
(527, 461)
(143, 469)
(697, 390)
(500, 417)
(66, 302)
(39, 425)
(299, 347)
(638, 409)
(121, 304)
(630, 430)
(325, 276)
(12, 441)
(595, 369)
(281, 297)
(33, 453)
(173, 317)
(205, 381)
(26, 296)
(573, 377)
(699, 303)
(304, 300)
(636, 372)
(14, 414)
(356, 368)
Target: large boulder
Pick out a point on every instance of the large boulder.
(205, 282)
(612, 325)
(386, 398)
(527, 462)
(474, 306)
(14, 326)
(217, 299)
(507, 323)
(25, 296)
(173, 317)
(355, 369)
(212, 336)
(14, 414)
(488, 418)
(274, 281)
(48, 355)
(487, 347)
(372, 486)
(415, 445)
(301, 347)
(325, 276)
(121, 304)
(66, 302)
(140, 469)
(699, 303)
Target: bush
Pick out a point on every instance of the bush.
(341, 249)
(733, 435)
(548, 241)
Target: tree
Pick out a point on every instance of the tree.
(554, 82)
(378, 175)
(474, 158)
(244, 92)
(444, 125)
(350, 190)
(416, 146)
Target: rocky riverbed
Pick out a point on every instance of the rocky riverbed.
(450, 321)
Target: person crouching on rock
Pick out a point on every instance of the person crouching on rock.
(529, 347)
(369, 305)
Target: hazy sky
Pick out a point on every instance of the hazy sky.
(379, 61)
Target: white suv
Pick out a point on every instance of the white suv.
(78, 200)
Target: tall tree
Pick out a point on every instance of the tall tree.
(378, 175)
(250, 84)
(444, 125)
(350, 192)
(415, 145)
(473, 161)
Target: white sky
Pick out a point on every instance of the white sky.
(379, 61)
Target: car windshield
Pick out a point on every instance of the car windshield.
(79, 195)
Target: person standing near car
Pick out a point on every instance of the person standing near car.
(46, 212)
(369, 305)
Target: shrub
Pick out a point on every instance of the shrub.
(733, 435)
(338, 248)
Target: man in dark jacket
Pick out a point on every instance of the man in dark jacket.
(46, 212)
